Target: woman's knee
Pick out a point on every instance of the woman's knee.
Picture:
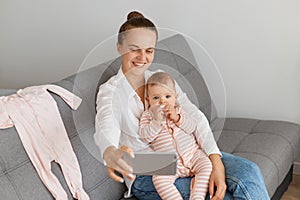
(240, 168)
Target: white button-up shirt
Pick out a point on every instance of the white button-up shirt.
(119, 109)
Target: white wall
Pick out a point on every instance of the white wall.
(255, 44)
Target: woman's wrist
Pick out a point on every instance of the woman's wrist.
(108, 151)
(215, 159)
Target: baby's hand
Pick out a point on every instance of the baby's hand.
(171, 114)
(157, 112)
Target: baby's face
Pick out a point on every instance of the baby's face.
(161, 95)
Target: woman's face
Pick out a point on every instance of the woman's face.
(137, 51)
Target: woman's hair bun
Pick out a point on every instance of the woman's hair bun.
(134, 14)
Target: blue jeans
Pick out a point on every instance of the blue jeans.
(243, 178)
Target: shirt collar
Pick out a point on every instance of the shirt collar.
(125, 86)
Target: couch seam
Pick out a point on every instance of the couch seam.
(15, 167)
(293, 153)
(2, 164)
(267, 132)
(246, 136)
(14, 186)
(173, 55)
(234, 151)
(251, 131)
(97, 185)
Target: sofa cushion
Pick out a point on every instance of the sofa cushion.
(273, 145)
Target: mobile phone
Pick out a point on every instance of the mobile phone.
(153, 163)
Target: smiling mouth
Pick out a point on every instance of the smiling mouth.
(138, 64)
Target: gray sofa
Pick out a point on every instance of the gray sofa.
(273, 145)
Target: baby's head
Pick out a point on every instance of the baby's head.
(161, 90)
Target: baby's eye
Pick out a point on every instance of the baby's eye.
(155, 98)
(168, 96)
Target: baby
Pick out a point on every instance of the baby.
(167, 128)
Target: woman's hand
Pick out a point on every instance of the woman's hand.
(217, 178)
(114, 162)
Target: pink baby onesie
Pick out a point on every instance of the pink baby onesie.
(34, 113)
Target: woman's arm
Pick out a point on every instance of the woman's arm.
(107, 124)
(108, 131)
(217, 185)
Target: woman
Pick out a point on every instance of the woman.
(120, 102)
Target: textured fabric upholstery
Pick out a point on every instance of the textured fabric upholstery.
(273, 145)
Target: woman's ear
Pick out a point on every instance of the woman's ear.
(118, 47)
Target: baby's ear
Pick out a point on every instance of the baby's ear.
(147, 106)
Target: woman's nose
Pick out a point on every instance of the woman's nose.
(142, 54)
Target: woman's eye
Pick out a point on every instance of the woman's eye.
(149, 51)
(168, 96)
(155, 98)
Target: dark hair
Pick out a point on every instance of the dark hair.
(135, 20)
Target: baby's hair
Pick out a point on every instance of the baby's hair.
(162, 78)
(135, 20)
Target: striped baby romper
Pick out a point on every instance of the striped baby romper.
(192, 161)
